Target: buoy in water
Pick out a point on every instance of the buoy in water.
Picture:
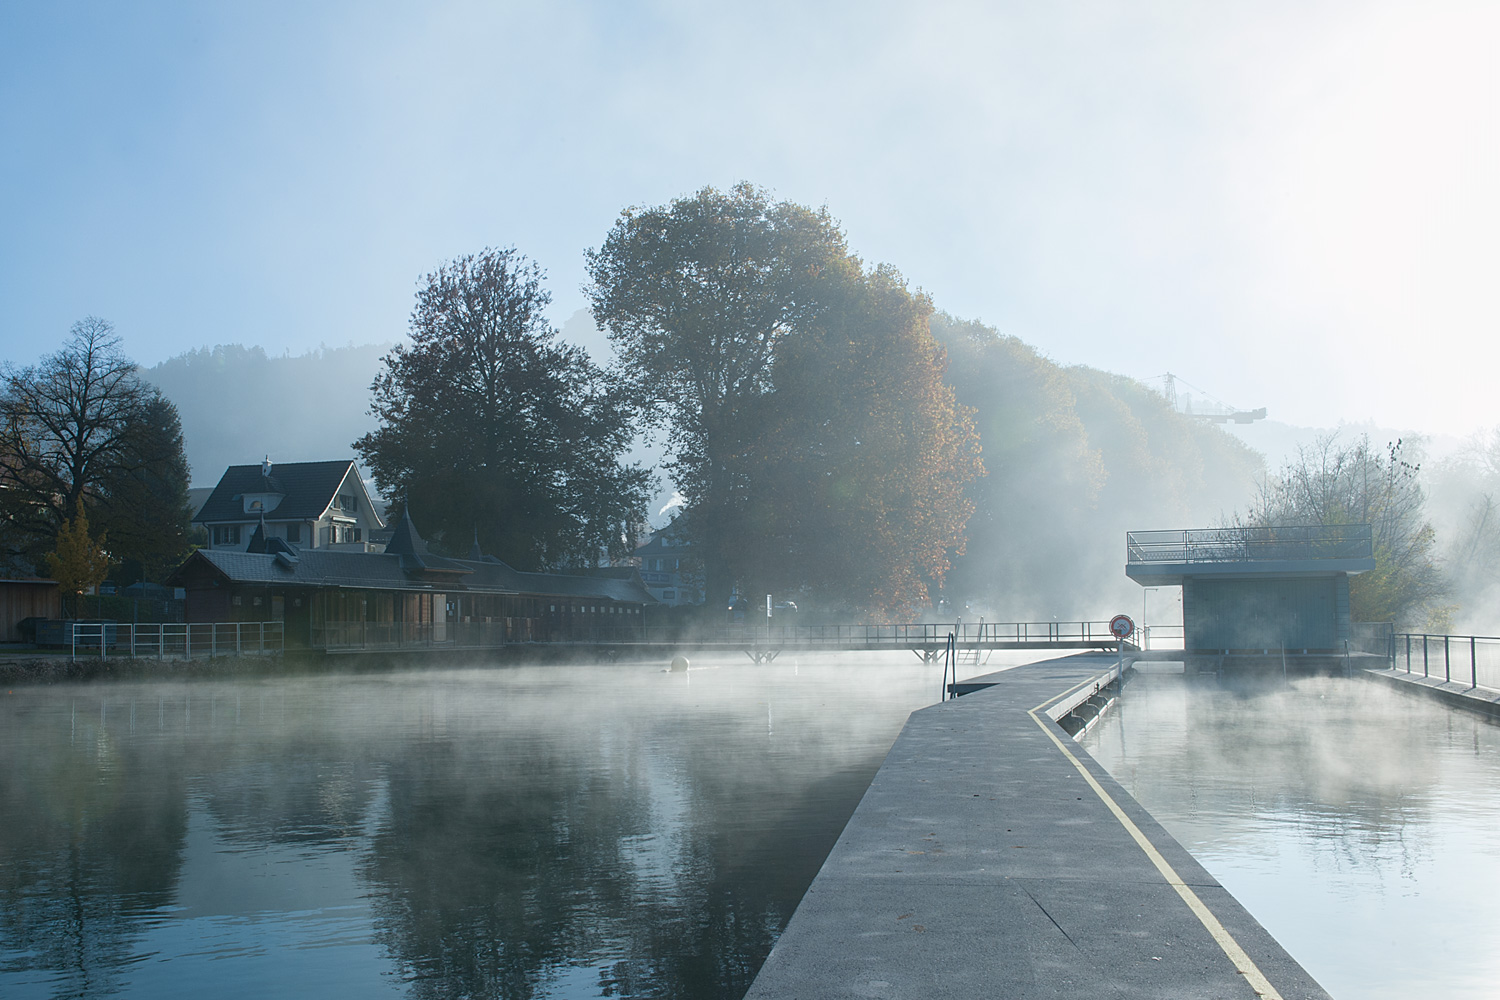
(679, 664)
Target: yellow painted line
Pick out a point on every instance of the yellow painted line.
(1241, 961)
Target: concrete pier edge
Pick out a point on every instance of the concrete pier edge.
(992, 857)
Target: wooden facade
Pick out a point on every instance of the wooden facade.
(22, 599)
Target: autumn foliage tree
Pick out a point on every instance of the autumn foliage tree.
(810, 433)
(863, 456)
(80, 562)
(490, 426)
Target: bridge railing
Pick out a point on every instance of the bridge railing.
(1472, 660)
(349, 636)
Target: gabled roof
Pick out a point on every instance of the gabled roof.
(307, 488)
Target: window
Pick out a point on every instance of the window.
(669, 595)
(226, 534)
(346, 502)
(294, 532)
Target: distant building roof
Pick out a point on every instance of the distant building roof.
(380, 571)
(306, 488)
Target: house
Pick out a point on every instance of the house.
(668, 569)
(311, 505)
(334, 596)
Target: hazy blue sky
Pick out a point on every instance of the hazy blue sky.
(1289, 204)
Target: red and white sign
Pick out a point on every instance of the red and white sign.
(1122, 626)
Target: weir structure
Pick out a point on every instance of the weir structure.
(1257, 594)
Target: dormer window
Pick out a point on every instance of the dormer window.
(256, 505)
(346, 503)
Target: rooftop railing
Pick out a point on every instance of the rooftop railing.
(1244, 544)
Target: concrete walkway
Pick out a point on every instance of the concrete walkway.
(1455, 693)
(991, 857)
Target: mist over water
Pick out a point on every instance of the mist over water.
(1355, 822)
(560, 831)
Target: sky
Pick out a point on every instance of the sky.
(1289, 205)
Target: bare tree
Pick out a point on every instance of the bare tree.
(1335, 483)
(81, 429)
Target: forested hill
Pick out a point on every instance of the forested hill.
(1074, 458)
(238, 404)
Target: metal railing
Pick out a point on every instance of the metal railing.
(476, 635)
(1246, 544)
(176, 640)
(1471, 659)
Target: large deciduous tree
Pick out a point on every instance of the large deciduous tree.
(863, 456)
(82, 432)
(490, 426)
(697, 296)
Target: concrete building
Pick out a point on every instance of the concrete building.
(1252, 591)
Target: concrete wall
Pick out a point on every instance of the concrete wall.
(1295, 613)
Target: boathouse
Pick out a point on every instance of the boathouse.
(1257, 591)
(405, 596)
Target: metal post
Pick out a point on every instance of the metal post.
(263, 637)
(237, 649)
(1473, 666)
(1424, 654)
(1447, 671)
(1408, 652)
(187, 641)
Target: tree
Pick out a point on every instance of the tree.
(697, 297)
(1332, 483)
(80, 562)
(490, 427)
(863, 457)
(82, 430)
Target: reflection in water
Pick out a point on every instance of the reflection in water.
(1355, 822)
(564, 831)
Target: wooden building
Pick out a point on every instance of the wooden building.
(26, 598)
(406, 596)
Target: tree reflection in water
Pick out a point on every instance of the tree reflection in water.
(510, 833)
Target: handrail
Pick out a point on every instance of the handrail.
(1488, 645)
(185, 640)
(1251, 544)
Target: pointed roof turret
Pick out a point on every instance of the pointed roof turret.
(258, 538)
(407, 545)
(475, 553)
(404, 540)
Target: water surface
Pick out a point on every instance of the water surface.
(559, 831)
(1358, 824)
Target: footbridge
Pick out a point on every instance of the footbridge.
(762, 643)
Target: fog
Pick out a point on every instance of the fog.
(449, 832)
(1353, 821)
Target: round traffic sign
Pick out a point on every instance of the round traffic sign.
(1122, 626)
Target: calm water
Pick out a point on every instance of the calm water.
(562, 831)
(1360, 826)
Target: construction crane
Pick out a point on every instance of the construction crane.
(1214, 411)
